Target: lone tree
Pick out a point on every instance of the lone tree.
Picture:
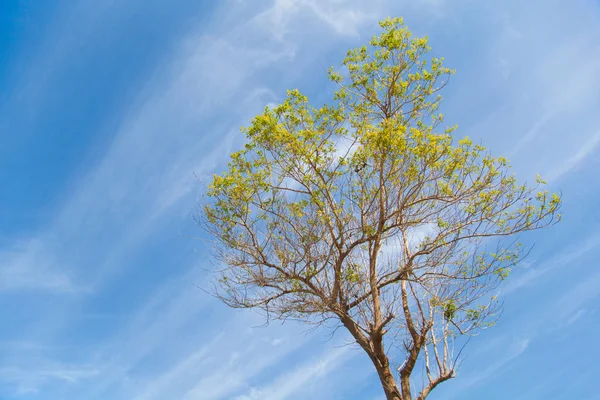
(363, 214)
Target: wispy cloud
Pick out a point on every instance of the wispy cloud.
(218, 351)
(289, 384)
(571, 163)
(563, 259)
(571, 302)
(32, 378)
(531, 134)
(27, 266)
(510, 352)
(150, 164)
(344, 17)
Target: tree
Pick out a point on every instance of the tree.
(362, 214)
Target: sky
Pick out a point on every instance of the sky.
(113, 117)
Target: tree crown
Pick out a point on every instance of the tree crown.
(364, 212)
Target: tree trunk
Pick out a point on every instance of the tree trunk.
(375, 351)
(388, 382)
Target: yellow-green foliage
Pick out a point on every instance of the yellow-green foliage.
(314, 181)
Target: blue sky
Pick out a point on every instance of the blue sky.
(113, 114)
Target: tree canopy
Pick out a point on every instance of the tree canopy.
(365, 213)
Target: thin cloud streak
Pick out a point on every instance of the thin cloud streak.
(587, 149)
(289, 384)
(562, 259)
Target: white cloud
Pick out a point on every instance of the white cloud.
(29, 266)
(150, 165)
(531, 134)
(288, 384)
(176, 376)
(571, 163)
(29, 379)
(579, 314)
(564, 258)
(344, 17)
(240, 360)
(586, 290)
(510, 351)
